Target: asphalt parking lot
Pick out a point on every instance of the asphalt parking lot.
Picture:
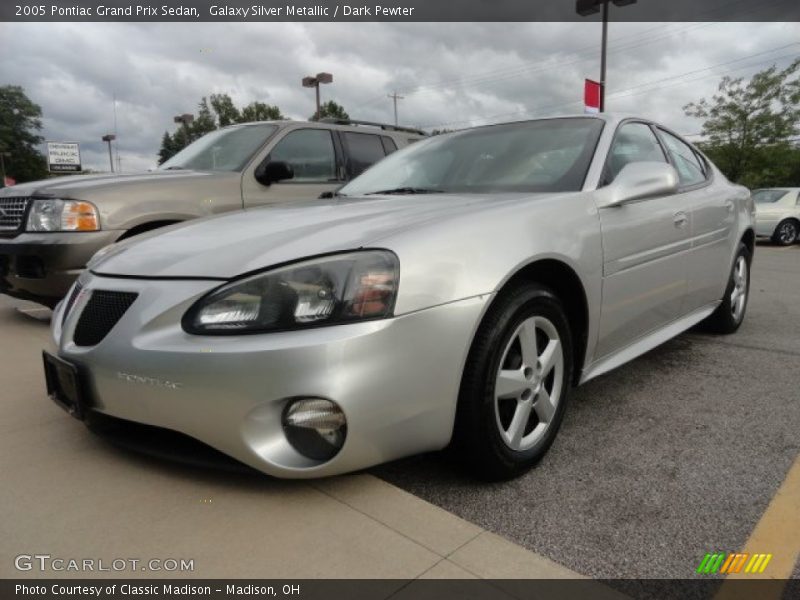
(676, 454)
(669, 457)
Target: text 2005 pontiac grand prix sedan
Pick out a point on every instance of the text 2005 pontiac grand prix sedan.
(452, 294)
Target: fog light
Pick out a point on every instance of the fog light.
(315, 427)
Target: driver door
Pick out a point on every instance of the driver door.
(315, 157)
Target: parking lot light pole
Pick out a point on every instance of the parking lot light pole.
(108, 138)
(315, 81)
(589, 7)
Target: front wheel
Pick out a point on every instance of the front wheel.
(515, 383)
(730, 313)
(786, 232)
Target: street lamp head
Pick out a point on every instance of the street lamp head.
(324, 77)
(109, 137)
(185, 118)
(586, 8)
(310, 82)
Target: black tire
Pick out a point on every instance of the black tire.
(786, 233)
(723, 319)
(477, 441)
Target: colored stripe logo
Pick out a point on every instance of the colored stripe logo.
(733, 562)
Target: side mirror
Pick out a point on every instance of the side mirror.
(272, 171)
(639, 181)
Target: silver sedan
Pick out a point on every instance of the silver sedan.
(778, 214)
(450, 295)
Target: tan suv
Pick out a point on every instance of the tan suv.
(49, 229)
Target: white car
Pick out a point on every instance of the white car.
(778, 214)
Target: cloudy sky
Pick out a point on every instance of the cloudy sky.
(451, 74)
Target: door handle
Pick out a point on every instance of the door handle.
(680, 219)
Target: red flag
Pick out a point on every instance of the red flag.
(8, 182)
(591, 96)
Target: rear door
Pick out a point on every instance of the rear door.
(314, 154)
(712, 218)
(645, 249)
(362, 150)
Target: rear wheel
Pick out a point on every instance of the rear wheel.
(515, 384)
(786, 233)
(730, 313)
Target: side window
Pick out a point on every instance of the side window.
(634, 142)
(363, 149)
(388, 145)
(690, 169)
(310, 153)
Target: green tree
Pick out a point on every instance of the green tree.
(227, 113)
(749, 126)
(20, 124)
(167, 150)
(330, 110)
(259, 111)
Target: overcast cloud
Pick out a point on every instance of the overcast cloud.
(451, 74)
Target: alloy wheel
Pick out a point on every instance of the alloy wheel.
(528, 386)
(739, 292)
(787, 233)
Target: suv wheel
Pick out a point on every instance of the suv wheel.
(515, 384)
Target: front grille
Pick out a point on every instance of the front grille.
(100, 315)
(12, 211)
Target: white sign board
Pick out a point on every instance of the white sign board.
(63, 157)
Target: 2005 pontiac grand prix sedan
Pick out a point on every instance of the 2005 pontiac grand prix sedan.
(452, 294)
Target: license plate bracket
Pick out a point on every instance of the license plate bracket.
(64, 385)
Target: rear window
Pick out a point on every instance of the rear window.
(388, 145)
(364, 150)
(768, 196)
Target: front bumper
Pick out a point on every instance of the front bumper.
(42, 266)
(396, 380)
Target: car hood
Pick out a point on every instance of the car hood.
(229, 245)
(89, 187)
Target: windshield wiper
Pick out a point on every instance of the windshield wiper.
(175, 169)
(406, 190)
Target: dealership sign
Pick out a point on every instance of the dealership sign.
(63, 157)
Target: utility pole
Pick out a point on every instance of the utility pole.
(589, 7)
(395, 98)
(108, 138)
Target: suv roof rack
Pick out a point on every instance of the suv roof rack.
(384, 126)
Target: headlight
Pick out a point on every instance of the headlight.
(63, 215)
(323, 291)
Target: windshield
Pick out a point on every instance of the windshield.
(228, 149)
(551, 155)
(768, 196)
